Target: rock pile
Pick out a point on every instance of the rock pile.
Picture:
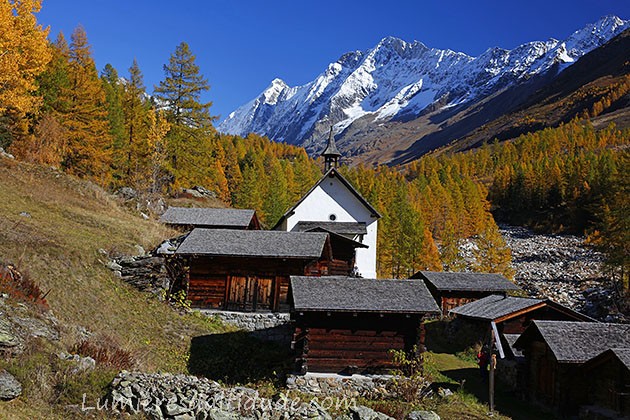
(165, 396)
(145, 272)
(563, 269)
(366, 386)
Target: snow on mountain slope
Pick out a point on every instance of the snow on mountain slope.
(397, 78)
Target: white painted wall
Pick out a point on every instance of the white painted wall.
(332, 197)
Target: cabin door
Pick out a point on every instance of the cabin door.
(250, 293)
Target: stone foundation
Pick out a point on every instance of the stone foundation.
(271, 326)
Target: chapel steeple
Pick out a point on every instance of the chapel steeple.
(331, 154)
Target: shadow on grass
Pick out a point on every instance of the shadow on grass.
(453, 336)
(506, 401)
(238, 357)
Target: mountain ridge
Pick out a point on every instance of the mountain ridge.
(399, 81)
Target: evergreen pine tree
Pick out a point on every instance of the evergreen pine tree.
(181, 90)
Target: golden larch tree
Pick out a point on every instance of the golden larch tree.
(24, 54)
(89, 139)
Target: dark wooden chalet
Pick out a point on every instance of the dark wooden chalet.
(348, 325)
(512, 314)
(608, 379)
(451, 290)
(555, 352)
(248, 270)
(184, 218)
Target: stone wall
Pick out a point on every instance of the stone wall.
(181, 397)
(366, 386)
(270, 326)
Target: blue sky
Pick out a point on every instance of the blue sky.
(242, 45)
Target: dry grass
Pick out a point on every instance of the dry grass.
(55, 226)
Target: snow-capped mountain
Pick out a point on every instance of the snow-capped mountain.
(399, 80)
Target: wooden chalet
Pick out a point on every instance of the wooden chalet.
(248, 270)
(186, 219)
(555, 352)
(608, 379)
(451, 290)
(348, 325)
(512, 315)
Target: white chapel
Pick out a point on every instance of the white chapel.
(334, 205)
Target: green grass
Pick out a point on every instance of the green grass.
(70, 221)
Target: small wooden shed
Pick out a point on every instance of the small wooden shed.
(608, 378)
(186, 219)
(349, 325)
(451, 290)
(248, 270)
(554, 353)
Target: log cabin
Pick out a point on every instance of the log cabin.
(554, 353)
(186, 219)
(608, 379)
(451, 290)
(248, 270)
(349, 325)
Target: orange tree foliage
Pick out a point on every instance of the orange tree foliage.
(24, 54)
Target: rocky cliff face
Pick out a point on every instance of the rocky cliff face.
(399, 81)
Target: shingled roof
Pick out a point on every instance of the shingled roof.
(498, 308)
(349, 294)
(576, 342)
(466, 281)
(340, 228)
(622, 354)
(208, 217)
(495, 306)
(254, 243)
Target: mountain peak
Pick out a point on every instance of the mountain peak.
(402, 80)
(272, 93)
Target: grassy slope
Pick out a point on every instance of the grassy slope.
(70, 220)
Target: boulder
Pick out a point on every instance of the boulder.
(10, 388)
(7, 338)
(361, 412)
(422, 415)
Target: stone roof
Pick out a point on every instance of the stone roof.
(621, 354)
(349, 294)
(254, 243)
(340, 228)
(576, 342)
(510, 339)
(495, 306)
(485, 282)
(208, 217)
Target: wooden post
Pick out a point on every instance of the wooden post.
(493, 365)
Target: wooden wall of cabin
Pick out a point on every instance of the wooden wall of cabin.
(217, 282)
(518, 324)
(452, 299)
(608, 386)
(541, 373)
(343, 343)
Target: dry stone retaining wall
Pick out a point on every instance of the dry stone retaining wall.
(271, 326)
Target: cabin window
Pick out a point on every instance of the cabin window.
(332, 217)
